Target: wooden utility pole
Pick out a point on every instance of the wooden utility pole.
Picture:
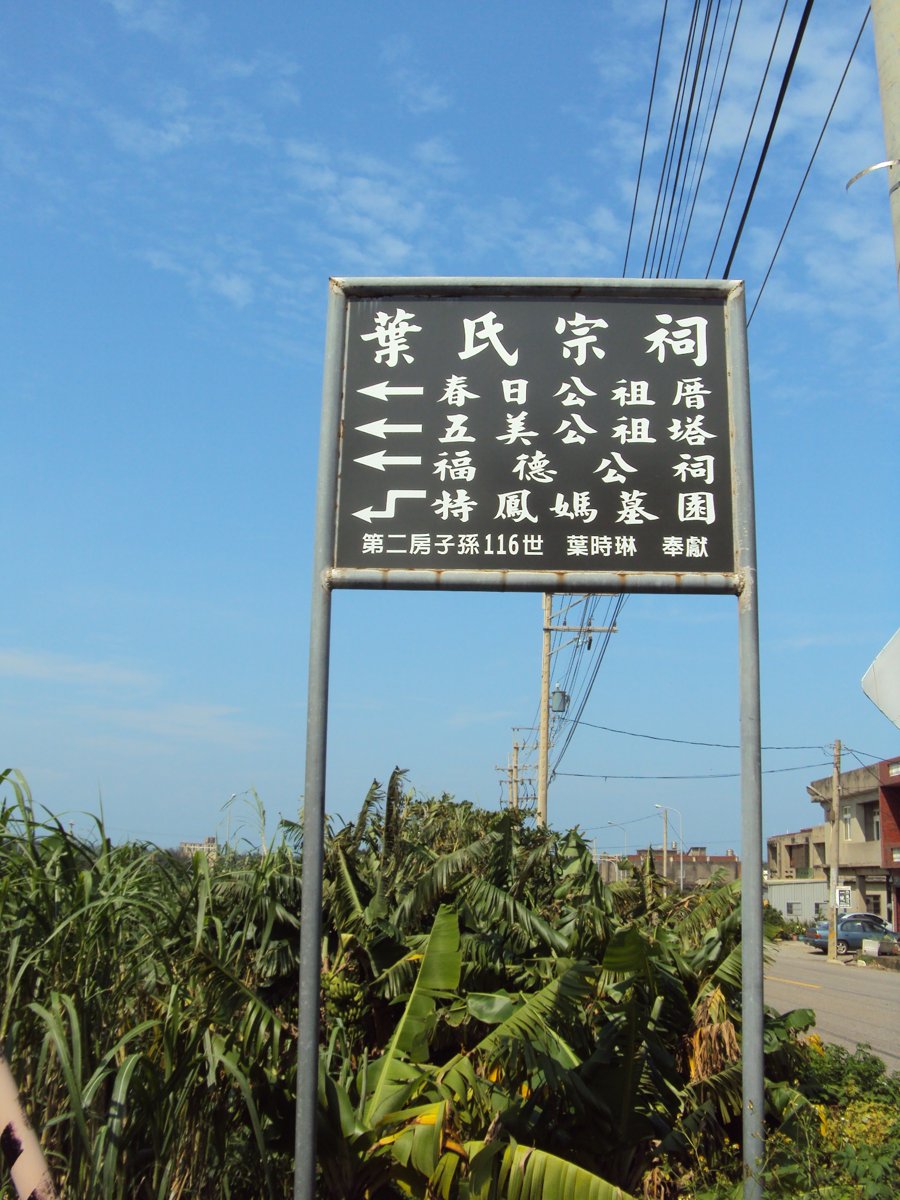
(886, 28)
(834, 853)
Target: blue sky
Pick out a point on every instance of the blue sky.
(180, 181)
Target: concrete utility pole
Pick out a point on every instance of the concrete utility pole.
(665, 813)
(544, 722)
(835, 851)
(514, 776)
(886, 28)
(548, 628)
(664, 808)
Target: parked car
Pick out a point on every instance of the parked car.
(866, 916)
(850, 933)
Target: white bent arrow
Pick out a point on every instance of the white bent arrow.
(381, 459)
(382, 427)
(384, 391)
(370, 513)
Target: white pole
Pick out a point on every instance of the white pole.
(886, 29)
(544, 724)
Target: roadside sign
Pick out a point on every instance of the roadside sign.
(492, 433)
(881, 683)
(538, 435)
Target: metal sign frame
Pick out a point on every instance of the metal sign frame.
(340, 387)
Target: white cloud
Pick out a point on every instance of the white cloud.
(412, 88)
(163, 19)
(146, 140)
(204, 271)
(211, 723)
(435, 154)
(236, 288)
(58, 669)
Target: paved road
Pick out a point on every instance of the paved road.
(852, 1004)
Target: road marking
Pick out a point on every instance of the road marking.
(795, 982)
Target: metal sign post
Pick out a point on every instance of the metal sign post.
(550, 435)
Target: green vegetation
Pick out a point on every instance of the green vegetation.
(496, 1022)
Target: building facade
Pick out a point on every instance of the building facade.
(695, 867)
(867, 838)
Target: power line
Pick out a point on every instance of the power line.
(637, 186)
(782, 91)
(582, 702)
(723, 775)
(699, 88)
(690, 120)
(706, 59)
(808, 167)
(712, 125)
(666, 165)
(685, 742)
(856, 753)
(750, 125)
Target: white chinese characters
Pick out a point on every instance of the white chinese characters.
(604, 434)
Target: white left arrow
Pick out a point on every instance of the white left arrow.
(382, 427)
(384, 391)
(381, 459)
(369, 514)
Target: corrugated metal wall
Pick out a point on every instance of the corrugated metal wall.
(801, 894)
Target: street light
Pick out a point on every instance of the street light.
(615, 825)
(666, 809)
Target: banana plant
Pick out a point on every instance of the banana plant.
(404, 1122)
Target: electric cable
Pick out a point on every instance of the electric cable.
(782, 91)
(677, 193)
(720, 775)
(619, 602)
(685, 742)
(809, 166)
(637, 186)
(661, 186)
(750, 125)
(691, 122)
(712, 126)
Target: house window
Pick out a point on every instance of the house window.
(846, 813)
(793, 908)
(821, 906)
(876, 824)
(873, 905)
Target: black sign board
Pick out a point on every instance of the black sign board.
(536, 431)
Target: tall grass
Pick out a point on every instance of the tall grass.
(146, 1009)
